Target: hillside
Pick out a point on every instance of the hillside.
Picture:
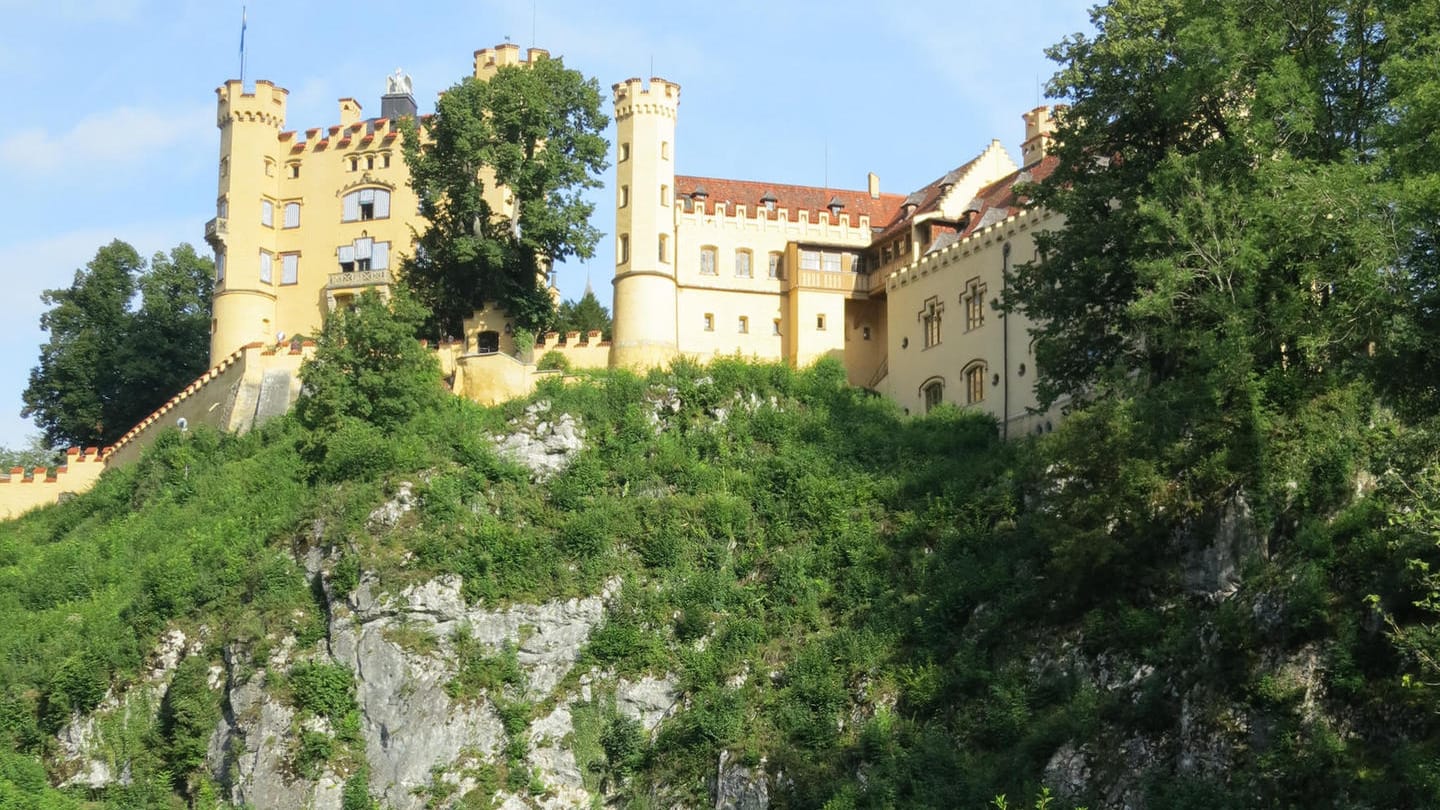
(716, 587)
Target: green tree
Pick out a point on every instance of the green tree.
(368, 367)
(583, 316)
(35, 453)
(1229, 238)
(106, 366)
(534, 130)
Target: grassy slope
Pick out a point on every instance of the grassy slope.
(878, 583)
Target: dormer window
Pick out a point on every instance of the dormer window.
(836, 205)
(699, 194)
(769, 201)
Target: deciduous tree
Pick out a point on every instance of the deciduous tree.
(106, 365)
(536, 132)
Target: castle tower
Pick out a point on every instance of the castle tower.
(1040, 126)
(645, 292)
(243, 231)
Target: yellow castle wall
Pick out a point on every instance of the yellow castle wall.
(22, 490)
(945, 275)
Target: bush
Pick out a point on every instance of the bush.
(554, 361)
(325, 690)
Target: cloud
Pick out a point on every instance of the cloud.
(118, 137)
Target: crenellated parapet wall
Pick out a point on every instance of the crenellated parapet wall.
(1025, 222)
(489, 60)
(250, 385)
(790, 225)
(264, 105)
(591, 353)
(25, 489)
(635, 96)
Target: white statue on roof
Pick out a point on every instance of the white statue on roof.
(398, 84)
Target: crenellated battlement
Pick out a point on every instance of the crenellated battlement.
(490, 60)
(795, 225)
(635, 96)
(982, 239)
(266, 105)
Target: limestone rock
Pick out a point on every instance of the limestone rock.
(387, 514)
(540, 445)
(648, 700)
(740, 788)
(1215, 550)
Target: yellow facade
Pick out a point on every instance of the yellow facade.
(305, 220)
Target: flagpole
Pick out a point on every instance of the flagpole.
(242, 48)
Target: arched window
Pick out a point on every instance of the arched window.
(707, 260)
(487, 342)
(366, 203)
(974, 375)
(933, 392)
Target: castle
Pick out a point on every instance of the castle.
(899, 288)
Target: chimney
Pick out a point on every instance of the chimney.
(874, 186)
(1039, 133)
(349, 111)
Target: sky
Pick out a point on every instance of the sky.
(110, 104)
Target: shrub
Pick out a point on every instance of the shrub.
(554, 361)
(326, 690)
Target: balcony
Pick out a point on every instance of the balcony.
(215, 231)
(855, 285)
(359, 278)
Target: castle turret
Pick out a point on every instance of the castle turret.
(243, 231)
(645, 292)
(1040, 126)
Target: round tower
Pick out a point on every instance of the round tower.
(644, 332)
(243, 230)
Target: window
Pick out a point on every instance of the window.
(974, 304)
(267, 213)
(709, 322)
(289, 268)
(830, 262)
(294, 171)
(934, 393)
(864, 333)
(664, 195)
(624, 196)
(365, 204)
(354, 164)
(975, 382)
(930, 317)
(707, 261)
(385, 161)
(222, 208)
(364, 251)
(364, 254)
(820, 323)
(664, 248)
(269, 167)
(292, 215)
(265, 262)
(369, 161)
(664, 150)
(224, 166)
(624, 153)
(220, 266)
(809, 260)
(775, 327)
(742, 264)
(775, 271)
(743, 327)
(622, 253)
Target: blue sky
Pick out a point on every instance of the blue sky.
(110, 127)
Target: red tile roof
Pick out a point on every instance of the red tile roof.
(926, 200)
(999, 199)
(814, 199)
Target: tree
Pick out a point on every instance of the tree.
(35, 453)
(583, 316)
(536, 132)
(369, 367)
(106, 366)
(1228, 248)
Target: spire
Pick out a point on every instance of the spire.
(588, 289)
